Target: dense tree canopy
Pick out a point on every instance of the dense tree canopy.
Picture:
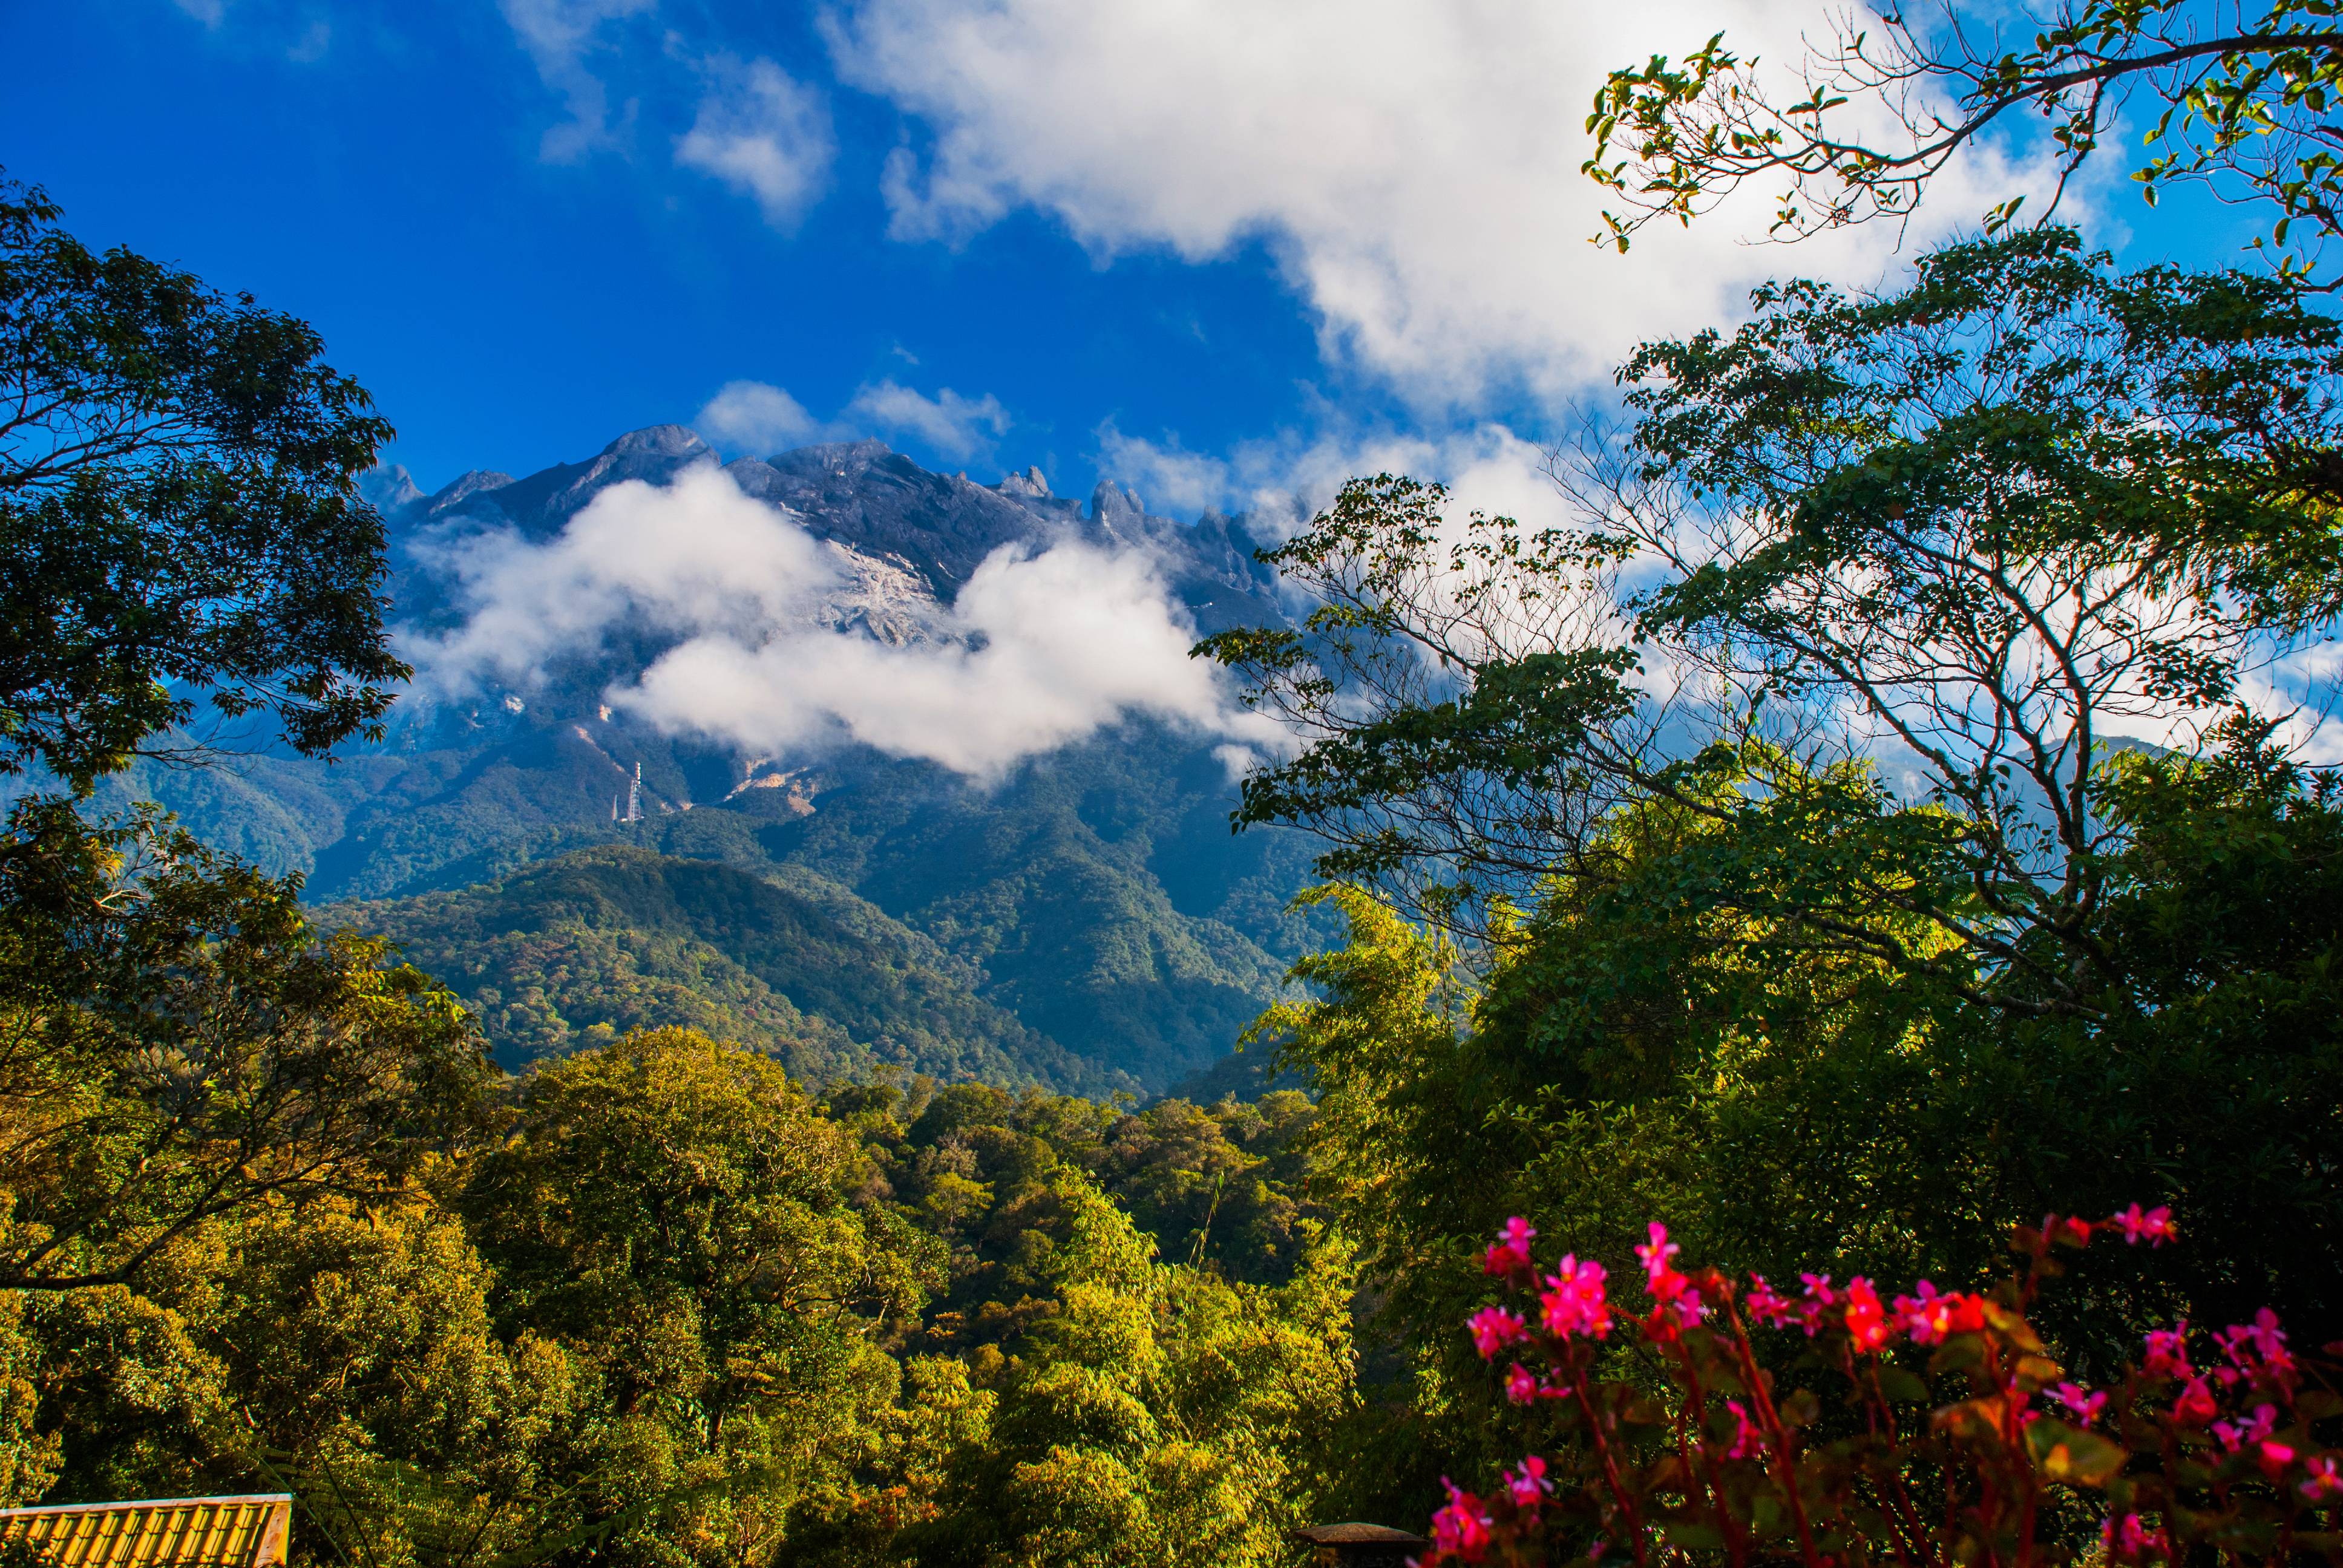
(180, 525)
(177, 1043)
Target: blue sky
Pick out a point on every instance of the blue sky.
(1212, 248)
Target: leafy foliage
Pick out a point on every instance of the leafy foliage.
(1724, 1466)
(177, 1044)
(179, 513)
(1980, 525)
(2241, 101)
(579, 948)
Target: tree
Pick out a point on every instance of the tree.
(179, 514)
(675, 1212)
(1159, 1416)
(178, 1043)
(2241, 101)
(1979, 526)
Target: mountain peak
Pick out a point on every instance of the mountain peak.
(848, 458)
(1110, 501)
(1029, 483)
(657, 441)
(387, 487)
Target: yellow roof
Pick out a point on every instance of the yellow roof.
(162, 1532)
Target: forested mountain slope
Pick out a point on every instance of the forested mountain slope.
(1087, 922)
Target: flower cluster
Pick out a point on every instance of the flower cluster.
(1732, 1465)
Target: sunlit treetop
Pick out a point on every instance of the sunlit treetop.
(2241, 99)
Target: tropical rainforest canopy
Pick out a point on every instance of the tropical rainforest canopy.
(1881, 821)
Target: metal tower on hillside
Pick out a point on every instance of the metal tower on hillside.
(634, 799)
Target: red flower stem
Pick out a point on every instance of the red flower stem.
(1907, 1513)
(1777, 1437)
(1735, 1550)
(1610, 1470)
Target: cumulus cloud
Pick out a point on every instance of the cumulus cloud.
(763, 133)
(758, 417)
(1487, 468)
(1414, 168)
(754, 417)
(697, 557)
(559, 35)
(1044, 650)
(955, 426)
(1182, 482)
(1035, 651)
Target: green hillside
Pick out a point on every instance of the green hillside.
(579, 948)
(1095, 899)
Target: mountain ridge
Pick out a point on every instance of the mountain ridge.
(1090, 908)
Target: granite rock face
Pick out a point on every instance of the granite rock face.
(874, 502)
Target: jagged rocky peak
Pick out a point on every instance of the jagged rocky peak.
(1111, 502)
(389, 487)
(463, 487)
(833, 459)
(1029, 483)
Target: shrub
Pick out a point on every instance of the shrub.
(1938, 1429)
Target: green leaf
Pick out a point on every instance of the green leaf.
(2072, 1454)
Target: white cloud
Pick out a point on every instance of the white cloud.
(210, 12)
(695, 557)
(1044, 650)
(1035, 651)
(558, 35)
(1414, 167)
(764, 134)
(1180, 482)
(1487, 468)
(952, 424)
(755, 418)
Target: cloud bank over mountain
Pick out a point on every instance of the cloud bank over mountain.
(770, 645)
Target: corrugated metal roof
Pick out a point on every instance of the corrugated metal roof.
(158, 1533)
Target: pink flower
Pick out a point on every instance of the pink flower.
(2154, 1227)
(1511, 1253)
(2081, 1403)
(1819, 1299)
(2236, 1434)
(1866, 1323)
(1461, 1529)
(2078, 1232)
(2128, 1540)
(2274, 1457)
(1748, 1443)
(1655, 1254)
(2167, 1351)
(2260, 1341)
(1679, 1304)
(1575, 1303)
(2195, 1406)
(1528, 1484)
(1769, 1306)
(1929, 1316)
(1520, 1387)
(2323, 1483)
(1495, 1328)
